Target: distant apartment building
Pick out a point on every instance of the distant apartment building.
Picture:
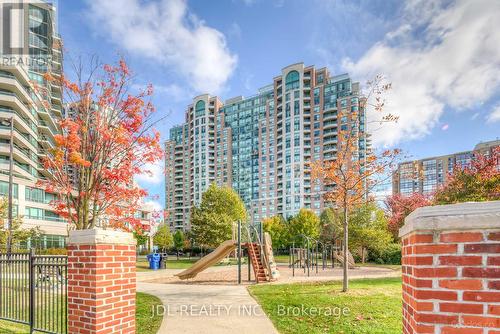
(261, 145)
(424, 176)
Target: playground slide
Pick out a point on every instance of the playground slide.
(340, 257)
(208, 260)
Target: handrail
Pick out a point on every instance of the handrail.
(263, 257)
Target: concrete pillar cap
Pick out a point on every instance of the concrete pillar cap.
(100, 237)
(461, 216)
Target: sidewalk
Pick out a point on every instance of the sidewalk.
(208, 309)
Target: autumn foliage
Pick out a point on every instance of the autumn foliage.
(480, 181)
(350, 177)
(477, 182)
(107, 138)
(399, 207)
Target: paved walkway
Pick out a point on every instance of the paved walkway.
(213, 303)
(208, 309)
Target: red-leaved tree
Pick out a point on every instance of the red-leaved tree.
(107, 138)
(477, 182)
(399, 207)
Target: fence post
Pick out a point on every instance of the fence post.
(31, 261)
(101, 282)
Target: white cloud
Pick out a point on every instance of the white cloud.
(174, 91)
(155, 173)
(153, 205)
(494, 116)
(165, 31)
(449, 57)
(249, 3)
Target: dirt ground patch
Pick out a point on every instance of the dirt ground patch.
(229, 275)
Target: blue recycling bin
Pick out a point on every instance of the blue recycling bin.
(154, 261)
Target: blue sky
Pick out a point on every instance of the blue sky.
(442, 57)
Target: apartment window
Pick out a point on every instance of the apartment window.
(200, 108)
(35, 195)
(4, 189)
(296, 108)
(292, 80)
(319, 79)
(49, 241)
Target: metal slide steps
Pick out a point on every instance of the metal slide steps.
(257, 265)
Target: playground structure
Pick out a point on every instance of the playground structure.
(258, 246)
(310, 252)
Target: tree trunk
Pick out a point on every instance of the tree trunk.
(345, 284)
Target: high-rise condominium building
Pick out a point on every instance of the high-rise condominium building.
(424, 176)
(35, 106)
(261, 145)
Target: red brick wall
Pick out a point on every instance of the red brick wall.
(101, 289)
(451, 282)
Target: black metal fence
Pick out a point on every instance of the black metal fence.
(33, 291)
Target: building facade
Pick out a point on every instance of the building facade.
(261, 145)
(35, 107)
(426, 175)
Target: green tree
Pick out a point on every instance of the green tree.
(178, 241)
(306, 222)
(18, 233)
(212, 222)
(163, 238)
(368, 229)
(330, 226)
(140, 237)
(277, 228)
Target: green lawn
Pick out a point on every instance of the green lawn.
(373, 306)
(396, 267)
(281, 258)
(143, 264)
(145, 323)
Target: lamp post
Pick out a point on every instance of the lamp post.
(10, 122)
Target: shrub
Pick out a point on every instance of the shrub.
(391, 254)
(54, 251)
(144, 251)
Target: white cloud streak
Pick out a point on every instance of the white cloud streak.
(152, 205)
(494, 116)
(440, 56)
(165, 31)
(155, 173)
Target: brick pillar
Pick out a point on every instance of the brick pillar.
(451, 269)
(101, 282)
